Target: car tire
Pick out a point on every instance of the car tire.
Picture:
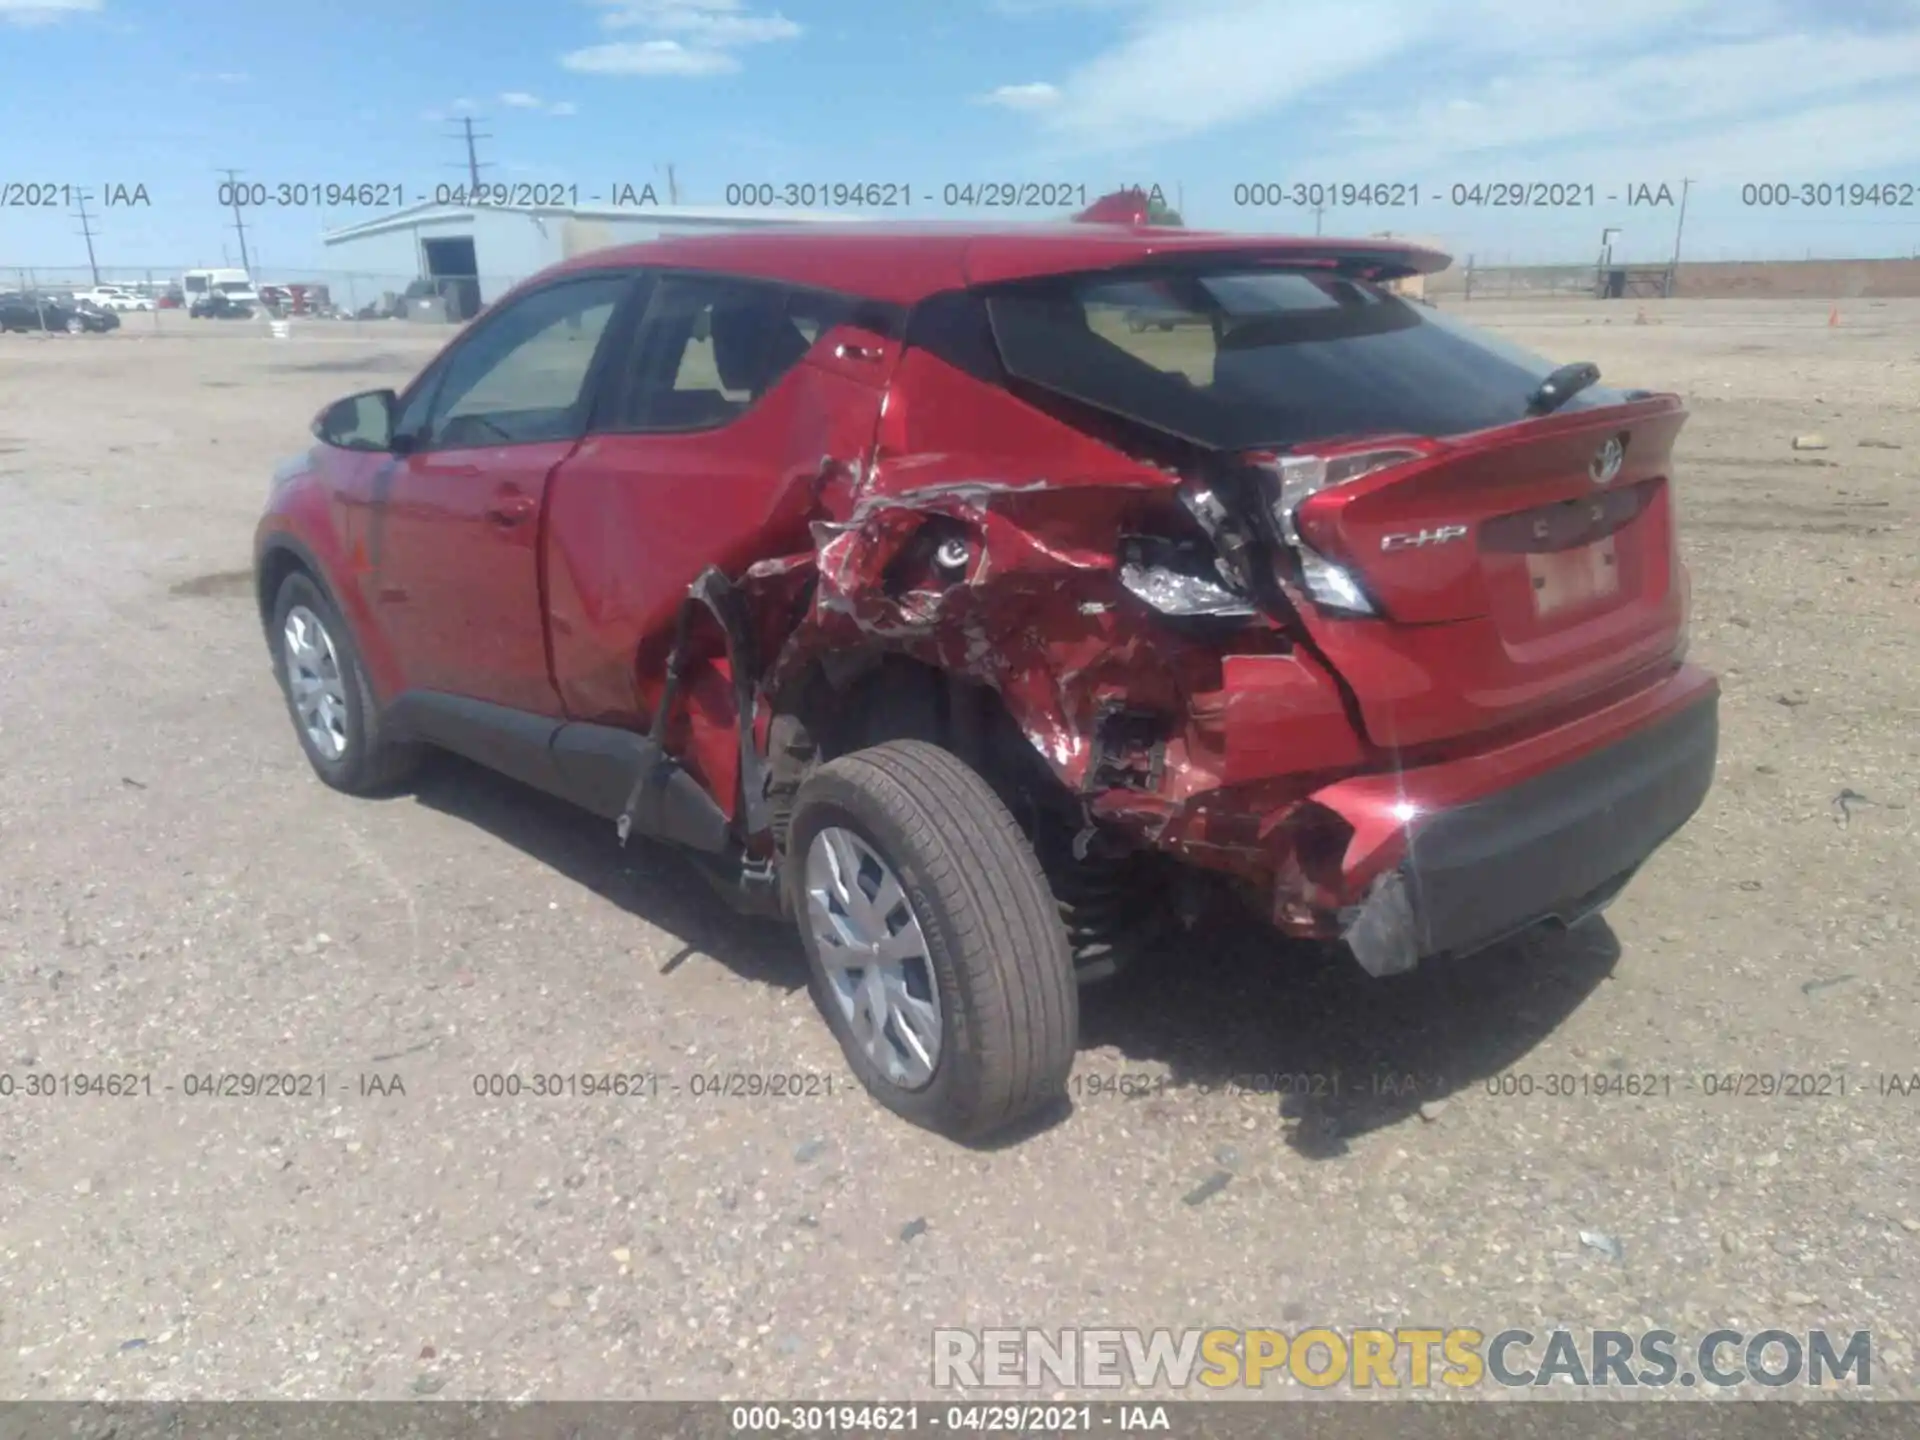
(335, 698)
(982, 958)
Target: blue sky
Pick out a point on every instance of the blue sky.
(1198, 95)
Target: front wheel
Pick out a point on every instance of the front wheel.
(935, 948)
(328, 695)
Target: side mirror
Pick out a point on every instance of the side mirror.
(359, 422)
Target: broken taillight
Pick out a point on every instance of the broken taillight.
(1293, 479)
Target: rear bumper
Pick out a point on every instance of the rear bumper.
(1461, 871)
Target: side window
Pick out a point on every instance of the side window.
(711, 346)
(523, 376)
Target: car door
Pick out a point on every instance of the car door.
(738, 400)
(453, 549)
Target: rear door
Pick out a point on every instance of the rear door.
(453, 541)
(741, 403)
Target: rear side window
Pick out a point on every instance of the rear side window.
(1256, 358)
(710, 346)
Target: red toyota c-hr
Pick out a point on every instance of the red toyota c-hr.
(962, 592)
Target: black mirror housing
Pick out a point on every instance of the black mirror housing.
(359, 422)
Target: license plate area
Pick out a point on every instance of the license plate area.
(1568, 580)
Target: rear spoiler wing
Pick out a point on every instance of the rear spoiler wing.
(1366, 259)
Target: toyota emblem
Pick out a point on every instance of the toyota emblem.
(1607, 461)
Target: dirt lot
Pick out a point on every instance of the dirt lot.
(179, 897)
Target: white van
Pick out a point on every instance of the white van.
(236, 284)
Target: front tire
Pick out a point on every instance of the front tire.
(328, 694)
(964, 1016)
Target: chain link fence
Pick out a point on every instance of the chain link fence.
(154, 298)
(1466, 281)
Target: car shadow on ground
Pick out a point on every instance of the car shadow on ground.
(650, 881)
(1235, 1008)
(1230, 1007)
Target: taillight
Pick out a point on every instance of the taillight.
(1296, 478)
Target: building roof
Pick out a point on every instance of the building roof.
(691, 216)
(905, 262)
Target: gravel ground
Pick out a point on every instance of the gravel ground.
(179, 897)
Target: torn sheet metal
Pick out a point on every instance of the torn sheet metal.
(1015, 585)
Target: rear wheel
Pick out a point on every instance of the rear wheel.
(328, 694)
(936, 951)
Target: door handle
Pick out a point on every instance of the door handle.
(511, 509)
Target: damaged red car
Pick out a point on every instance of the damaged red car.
(974, 598)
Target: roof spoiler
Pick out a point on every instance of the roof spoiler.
(1362, 259)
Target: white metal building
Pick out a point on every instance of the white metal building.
(500, 245)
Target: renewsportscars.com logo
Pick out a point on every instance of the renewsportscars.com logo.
(1378, 1359)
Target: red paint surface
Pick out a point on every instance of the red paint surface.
(813, 500)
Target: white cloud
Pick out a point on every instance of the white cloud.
(1183, 67)
(686, 37)
(1035, 95)
(455, 111)
(648, 57)
(1045, 7)
(526, 100)
(704, 25)
(44, 12)
(1629, 90)
(1649, 113)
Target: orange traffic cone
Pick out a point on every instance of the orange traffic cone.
(1833, 318)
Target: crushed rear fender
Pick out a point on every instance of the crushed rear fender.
(1197, 745)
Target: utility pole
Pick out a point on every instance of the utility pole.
(1673, 270)
(86, 229)
(673, 186)
(474, 165)
(239, 225)
(1318, 211)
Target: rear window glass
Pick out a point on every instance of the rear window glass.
(1242, 358)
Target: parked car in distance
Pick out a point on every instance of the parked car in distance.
(114, 297)
(95, 318)
(916, 596)
(218, 305)
(26, 310)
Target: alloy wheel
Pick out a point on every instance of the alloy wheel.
(314, 681)
(875, 955)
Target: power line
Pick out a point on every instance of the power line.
(239, 224)
(86, 229)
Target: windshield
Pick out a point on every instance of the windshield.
(1261, 357)
(235, 287)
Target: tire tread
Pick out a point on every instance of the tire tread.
(1009, 948)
